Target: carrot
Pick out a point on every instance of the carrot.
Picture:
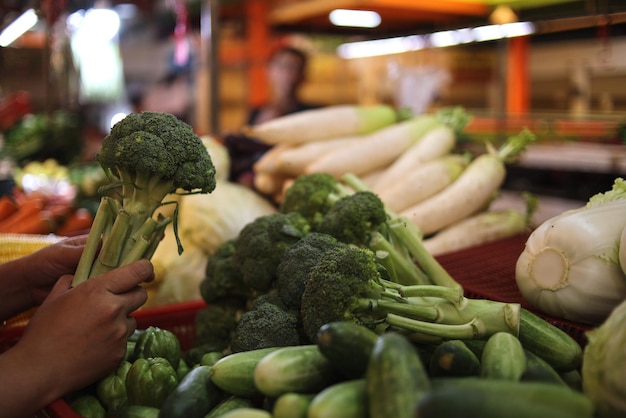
(323, 123)
(7, 206)
(77, 222)
(373, 151)
(423, 181)
(40, 223)
(471, 191)
(29, 206)
(435, 143)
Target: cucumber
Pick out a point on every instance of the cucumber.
(138, 411)
(503, 357)
(538, 370)
(550, 343)
(247, 413)
(292, 405)
(210, 358)
(300, 368)
(453, 358)
(228, 404)
(194, 396)
(348, 346)
(234, 373)
(347, 399)
(486, 398)
(396, 378)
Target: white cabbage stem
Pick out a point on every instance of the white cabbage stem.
(570, 265)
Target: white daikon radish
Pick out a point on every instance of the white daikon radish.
(323, 123)
(471, 191)
(423, 181)
(270, 161)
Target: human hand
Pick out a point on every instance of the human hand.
(79, 334)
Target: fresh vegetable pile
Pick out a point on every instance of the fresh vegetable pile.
(412, 162)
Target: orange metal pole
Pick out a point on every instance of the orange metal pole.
(258, 50)
(517, 80)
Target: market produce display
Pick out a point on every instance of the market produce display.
(415, 165)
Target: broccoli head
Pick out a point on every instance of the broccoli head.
(293, 270)
(147, 156)
(261, 244)
(216, 323)
(267, 325)
(222, 279)
(311, 195)
(352, 218)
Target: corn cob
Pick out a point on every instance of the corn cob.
(13, 246)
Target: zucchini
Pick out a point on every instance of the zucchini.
(194, 396)
(453, 358)
(486, 398)
(234, 373)
(347, 399)
(549, 342)
(503, 357)
(292, 405)
(247, 413)
(396, 378)
(538, 370)
(138, 411)
(228, 404)
(299, 368)
(347, 345)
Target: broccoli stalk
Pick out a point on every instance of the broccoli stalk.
(146, 156)
(346, 284)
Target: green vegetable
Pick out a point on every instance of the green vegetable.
(261, 243)
(347, 399)
(453, 358)
(182, 369)
(138, 411)
(88, 406)
(211, 358)
(538, 370)
(149, 381)
(348, 346)
(487, 398)
(247, 413)
(302, 369)
(194, 396)
(264, 326)
(604, 365)
(111, 389)
(234, 373)
(503, 358)
(147, 155)
(346, 284)
(553, 271)
(222, 278)
(292, 405)
(158, 342)
(396, 378)
(216, 323)
(228, 404)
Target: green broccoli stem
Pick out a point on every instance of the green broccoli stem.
(407, 233)
(400, 267)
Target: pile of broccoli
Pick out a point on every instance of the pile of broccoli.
(147, 156)
(334, 252)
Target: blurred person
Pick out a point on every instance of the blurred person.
(76, 335)
(286, 73)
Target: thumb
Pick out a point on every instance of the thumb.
(61, 287)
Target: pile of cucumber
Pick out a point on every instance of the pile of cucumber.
(353, 372)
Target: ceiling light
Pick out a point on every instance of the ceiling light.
(354, 18)
(18, 27)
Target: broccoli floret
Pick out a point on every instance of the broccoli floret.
(267, 325)
(222, 278)
(312, 195)
(216, 323)
(261, 244)
(293, 270)
(147, 156)
(346, 284)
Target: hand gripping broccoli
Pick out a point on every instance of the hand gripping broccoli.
(346, 284)
(262, 242)
(147, 156)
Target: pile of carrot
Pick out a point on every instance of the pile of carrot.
(413, 164)
(37, 213)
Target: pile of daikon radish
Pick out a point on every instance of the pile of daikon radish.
(412, 162)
